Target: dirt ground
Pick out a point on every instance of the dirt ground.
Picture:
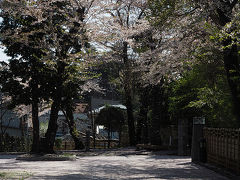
(113, 166)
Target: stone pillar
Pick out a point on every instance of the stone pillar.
(197, 136)
(182, 137)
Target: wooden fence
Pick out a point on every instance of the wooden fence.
(223, 148)
(103, 143)
(99, 144)
(65, 145)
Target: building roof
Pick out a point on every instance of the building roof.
(116, 105)
(81, 108)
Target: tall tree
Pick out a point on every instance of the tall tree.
(67, 39)
(222, 14)
(187, 26)
(112, 28)
(22, 76)
(56, 31)
(209, 96)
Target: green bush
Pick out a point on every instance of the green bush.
(14, 144)
(58, 143)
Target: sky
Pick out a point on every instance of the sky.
(3, 56)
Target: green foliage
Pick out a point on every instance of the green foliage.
(203, 91)
(67, 155)
(110, 116)
(161, 10)
(43, 128)
(58, 143)
(14, 144)
(37, 46)
(109, 78)
(229, 33)
(15, 175)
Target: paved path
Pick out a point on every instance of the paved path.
(139, 167)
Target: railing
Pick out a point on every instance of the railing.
(223, 148)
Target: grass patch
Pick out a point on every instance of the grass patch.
(15, 175)
(67, 155)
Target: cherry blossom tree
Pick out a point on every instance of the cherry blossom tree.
(112, 26)
(185, 28)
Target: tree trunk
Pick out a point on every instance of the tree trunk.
(50, 135)
(141, 125)
(35, 121)
(231, 56)
(2, 141)
(73, 129)
(52, 128)
(146, 131)
(142, 121)
(155, 133)
(159, 108)
(120, 136)
(231, 63)
(109, 130)
(139, 129)
(128, 96)
(131, 125)
(35, 144)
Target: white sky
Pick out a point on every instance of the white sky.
(3, 56)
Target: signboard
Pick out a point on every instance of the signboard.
(199, 120)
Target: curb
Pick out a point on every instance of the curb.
(45, 157)
(12, 153)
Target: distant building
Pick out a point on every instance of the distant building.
(98, 101)
(12, 123)
(83, 122)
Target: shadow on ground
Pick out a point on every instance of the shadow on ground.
(108, 171)
(126, 165)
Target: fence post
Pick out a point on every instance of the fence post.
(238, 148)
(87, 143)
(197, 135)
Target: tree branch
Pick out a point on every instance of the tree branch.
(65, 114)
(141, 13)
(120, 18)
(90, 5)
(234, 3)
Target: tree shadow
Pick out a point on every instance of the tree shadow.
(97, 169)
